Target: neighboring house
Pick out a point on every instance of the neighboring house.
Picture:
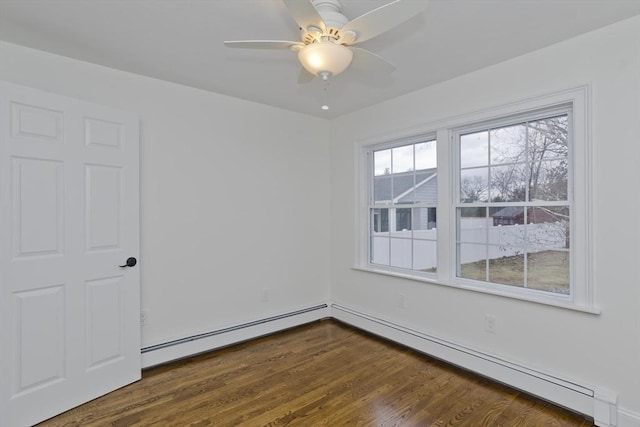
(512, 215)
(406, 188)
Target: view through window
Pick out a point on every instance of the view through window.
(513, 211)
(508, 209)
(402, 207)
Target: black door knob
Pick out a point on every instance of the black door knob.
(130, 262)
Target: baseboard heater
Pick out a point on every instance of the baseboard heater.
(188, 346)
(598, 403)
(591, 401)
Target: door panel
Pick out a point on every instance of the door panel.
(30, 121)
(102, 133)
(69, 315)
(103, 207)
(105, 327)
(40, 322)
(38, 218)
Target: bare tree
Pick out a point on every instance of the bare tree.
(548, 151)
(535, 161)
(529, 163)
(474, 189)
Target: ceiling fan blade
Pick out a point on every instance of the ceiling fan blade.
(370, 62)
(305, 14)
(383, 19)
(264, 44)
(305, 76)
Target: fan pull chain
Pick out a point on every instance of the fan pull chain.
(325, 106)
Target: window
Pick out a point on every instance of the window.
(402, 205)
(513, 213)
(505, 211)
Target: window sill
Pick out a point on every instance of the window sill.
(482, 289)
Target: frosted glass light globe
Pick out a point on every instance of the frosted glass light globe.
(325, 58)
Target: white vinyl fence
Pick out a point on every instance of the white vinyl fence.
(479, 239)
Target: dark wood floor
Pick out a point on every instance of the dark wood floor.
(325, 373)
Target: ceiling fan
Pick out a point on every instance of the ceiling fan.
(328, 36)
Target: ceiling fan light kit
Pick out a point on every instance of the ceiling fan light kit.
(325, 59)
(327, 35)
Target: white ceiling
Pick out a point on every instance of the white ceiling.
(181, 41)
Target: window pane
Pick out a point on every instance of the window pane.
(424, 256)
(403, 187)
(402, 159)
(474, 185)
(508, 144)
(509, 183)
(379, 242)
(507, 215)
(507, 231)
(548, 226)
(424, 223)
(548, 270)
(379, 253)
(472, 262)
(474, 212)
(508, 270)
(380, 220)
(403, 219)
(474, 149)
(548, 138)
(549, 180)
(382, 162)
(382, 189)
(472, 225)
(425, 189)
(426, 155)
(401, 253)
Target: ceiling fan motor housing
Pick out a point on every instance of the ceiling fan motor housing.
(331, 13)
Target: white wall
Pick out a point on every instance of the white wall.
(233, 196)
(601, 350)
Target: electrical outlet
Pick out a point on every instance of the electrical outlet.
(403, 301)
(144, 317)
(490, 323)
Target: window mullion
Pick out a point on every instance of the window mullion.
(445, 244)
(413, 202)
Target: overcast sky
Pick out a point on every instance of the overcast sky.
(403, 158)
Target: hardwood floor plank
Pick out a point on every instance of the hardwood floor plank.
(325, 373)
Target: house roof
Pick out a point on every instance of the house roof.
(402, 183)
(509, 212)
(518, 211)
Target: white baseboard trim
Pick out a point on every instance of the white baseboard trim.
(189, 346)
(598, 403)
(595, 402)
(628, 418)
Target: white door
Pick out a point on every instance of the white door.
(69, 314)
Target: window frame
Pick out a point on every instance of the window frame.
(456, 133)
(371, 203)
(580, 160)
